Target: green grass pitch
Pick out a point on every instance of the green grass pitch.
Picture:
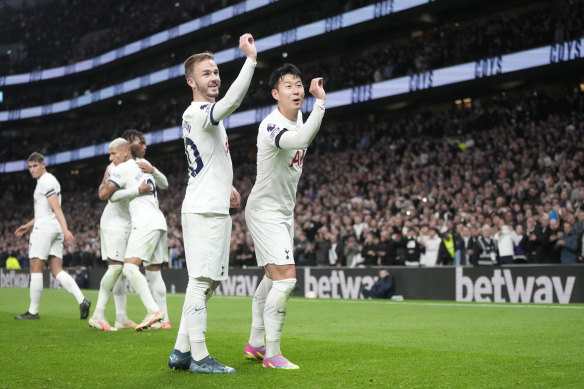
(336, 343)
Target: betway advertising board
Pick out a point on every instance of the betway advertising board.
(506, 284)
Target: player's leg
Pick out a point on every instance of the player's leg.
(256, 347)
(283, 282)
(120, 292)
(273, 245)
(69, 284)
(141, 245)
(109, 279)
(154, 278)
(39, 246)
(36, 289)
(132, 271)
(206, 240)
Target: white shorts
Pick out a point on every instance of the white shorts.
(150, 246)
(206, 239)
(44, 244)
(113, 244)
(273, 239)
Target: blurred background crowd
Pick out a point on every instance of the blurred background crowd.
(495, 179)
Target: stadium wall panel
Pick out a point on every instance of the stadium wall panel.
(514, 284)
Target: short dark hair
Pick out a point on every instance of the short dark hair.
(280, 72)
(132, 134)
(36, 157)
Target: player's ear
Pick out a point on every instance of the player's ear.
(191, 83)
(275, 94)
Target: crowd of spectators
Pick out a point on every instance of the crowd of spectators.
(450, 44)
(500, 181)
(442, 45)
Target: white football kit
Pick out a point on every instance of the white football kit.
(115, 226)
(46, 238)
(147, 240)
(205, 210)
(269, 212)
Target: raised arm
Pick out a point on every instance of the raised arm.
(234, 96)
(130, 193)
(303, 138)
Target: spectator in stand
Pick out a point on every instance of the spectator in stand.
(519, 245)
(485, 249)
(303, 250)
(504, 238)
(412, 248)
(464, 245)
(370, 249)
(568, 245)
(387, 249)
(352, 252)
(432, 248)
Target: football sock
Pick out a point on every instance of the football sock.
(182, 343)
(275, 314)
(158, 289)
(121, 299)
(140, 285)
(256, 337)
(105, 289)
(36, 288)
(70, 285)
(195, 313)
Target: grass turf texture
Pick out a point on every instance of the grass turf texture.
(336, 343)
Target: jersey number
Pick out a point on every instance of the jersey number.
(193, 157)
(151, 183)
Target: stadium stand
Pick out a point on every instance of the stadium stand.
(472, 154)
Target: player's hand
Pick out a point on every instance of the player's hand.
(235, 199)
(316, 88)
(69, 238)
(247, 46)
(23, 229)
(145, 166)
(145, 188)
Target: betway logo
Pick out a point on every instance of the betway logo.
(241, 285)
(13, 279)
(337, 285)
(540, 289)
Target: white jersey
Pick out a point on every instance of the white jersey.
(278, 169)
(44, 217)
(145, 213)
(209, 162)
(115, 216)
(207, 148)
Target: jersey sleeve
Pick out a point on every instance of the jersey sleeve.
(302, 138)
(50, 186)
(116, 176)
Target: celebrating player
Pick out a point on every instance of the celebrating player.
(269, 213)
(147, 242)
(115, 227)
(49, 228)
(205, 211)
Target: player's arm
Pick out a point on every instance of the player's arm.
(106, 190)
(159, 177)
(302, 138)
(23, 229)
(235, 198)
(130, 193)
(56, 207)
(234, 96)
